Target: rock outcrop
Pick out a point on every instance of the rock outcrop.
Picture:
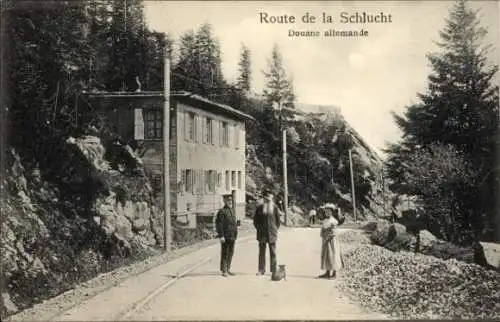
(395, 237)
(319, 170)
(90, 212)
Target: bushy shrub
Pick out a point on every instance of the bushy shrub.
(188, 236)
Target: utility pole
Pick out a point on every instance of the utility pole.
(352, 188)
(285, 180)
(384, 200)
(167, 224)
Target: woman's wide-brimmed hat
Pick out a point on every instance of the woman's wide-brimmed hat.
(333, 209)
(330, 206)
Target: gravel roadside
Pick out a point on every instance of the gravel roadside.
(406, 285)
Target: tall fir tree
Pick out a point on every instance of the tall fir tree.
(127, 32)
(278, 92)
(199, 66)
(245, 71)
(460, 108)
(280, 99)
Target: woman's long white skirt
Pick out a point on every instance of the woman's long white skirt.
(331, 255)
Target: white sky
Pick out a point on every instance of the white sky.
(367, 77)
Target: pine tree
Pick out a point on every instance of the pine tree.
(199, 66)
(278, 92)
(459, 109)
(127, 51)
(245, 76)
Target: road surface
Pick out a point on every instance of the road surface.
(203, 294)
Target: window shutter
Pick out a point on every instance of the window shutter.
(221, 132)
(177, 124)
(186, 127)
(196, 124)
(193, 181)
(183, 181)
(232, 133)
(203, 129)
(200, 182)
(205, 181)
(138, 124)
(214, 129)
(241, 134)
(243, 137)
(236, 135)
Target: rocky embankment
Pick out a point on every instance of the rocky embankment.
(92, 211)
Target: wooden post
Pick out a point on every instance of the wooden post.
(352, 188)
(167, 225)
(285, 180)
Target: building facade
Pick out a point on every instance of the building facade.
(207, 146)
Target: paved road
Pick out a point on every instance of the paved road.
(205, 294)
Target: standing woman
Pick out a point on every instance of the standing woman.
(331, 257)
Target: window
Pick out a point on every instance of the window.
(225, 131)
(189, 181)
(219, 180)
(201, 185)
(210, 181)
(208, 131)
(190, 133)
(224, 134)
(239, 179)
(154, 124)
(157, 183)
(236, 136)
(227, 181)
(207, 181)
(233, 179)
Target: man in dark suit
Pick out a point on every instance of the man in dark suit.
(267, 223)
(227, 232)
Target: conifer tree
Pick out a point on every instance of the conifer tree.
(278, 92)
(245, 73)
(460, 108)
(199, 66)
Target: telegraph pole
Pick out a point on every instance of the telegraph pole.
(352, 188)
(285, 179)
(167, 224)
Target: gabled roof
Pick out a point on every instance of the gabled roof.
(182, 96)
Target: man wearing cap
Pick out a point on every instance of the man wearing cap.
(227, 232)
(267, 223)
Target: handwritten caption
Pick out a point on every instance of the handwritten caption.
(343, 17)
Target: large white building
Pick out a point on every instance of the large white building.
(207, 146)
